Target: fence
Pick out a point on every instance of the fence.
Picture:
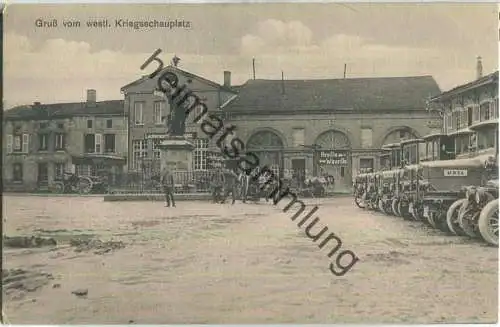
(145, 183)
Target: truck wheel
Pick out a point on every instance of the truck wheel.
(466, 222)
(381, 206)
(394, 207)
(452, 217)
(430, 219)
(488, 223)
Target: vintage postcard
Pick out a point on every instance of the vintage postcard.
(305, 163)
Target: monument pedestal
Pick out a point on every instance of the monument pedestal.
(176, 150)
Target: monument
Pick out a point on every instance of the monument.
(176, 149)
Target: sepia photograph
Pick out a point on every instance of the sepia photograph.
(250, 163)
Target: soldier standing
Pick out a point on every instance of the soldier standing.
(231, 181)
(167, 181)
(243, 183)
(217, 185)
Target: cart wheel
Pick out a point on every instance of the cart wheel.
(488, 223)
(84, 185)
(452, 217)
(59, 187)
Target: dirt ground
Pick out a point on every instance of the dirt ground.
(139, 262)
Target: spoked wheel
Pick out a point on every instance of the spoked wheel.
(395, 208)
(440, 221)
(416, 212)
(84, 185)
(360, 201)
(452, 217)
(58, 187)
(430, 219)
(488, 223)
(466, 222)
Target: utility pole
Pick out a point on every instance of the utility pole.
(253, 67)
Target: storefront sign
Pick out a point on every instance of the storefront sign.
(455, 172)
(333, 157)
(189, 136)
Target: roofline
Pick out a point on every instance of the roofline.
(203, 79)
(490, 78)
(62, 116)
(338, 79)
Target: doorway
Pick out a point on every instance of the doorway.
(299, 169)
(43, 173)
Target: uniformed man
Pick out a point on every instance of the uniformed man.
(217, 185)
(243, 182)
(230, 184)
(167, 181)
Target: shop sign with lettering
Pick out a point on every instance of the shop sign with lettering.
(333, 157)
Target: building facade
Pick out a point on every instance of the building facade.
(147, 110)
(470, 115)
(41, 141)
(333, 127)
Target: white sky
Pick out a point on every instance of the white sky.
(304, 40)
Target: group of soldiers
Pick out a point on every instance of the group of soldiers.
(224, 182)
(227, 182)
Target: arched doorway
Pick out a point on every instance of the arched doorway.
(268, 146)
(397, 135)
(332, 157)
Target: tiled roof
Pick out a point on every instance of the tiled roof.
(183, 72)
(490, 78)
(388, 93)
(63, 110)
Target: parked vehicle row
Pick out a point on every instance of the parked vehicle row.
(458, 196)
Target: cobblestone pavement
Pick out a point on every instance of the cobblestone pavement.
(247, 263)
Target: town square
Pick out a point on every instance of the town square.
(271, 171)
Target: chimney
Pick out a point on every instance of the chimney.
(91, 96)
(479, 68)
(227, 78)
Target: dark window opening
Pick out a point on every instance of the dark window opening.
(109, 142)
(89, 145)
(342, 171)
(89, 123)
(17, 172)
(109, 123)
(43, 172)
(60, 125)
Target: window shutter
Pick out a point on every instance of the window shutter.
(26, 140)
(10, 140)
(98, 141)
(494, 109)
